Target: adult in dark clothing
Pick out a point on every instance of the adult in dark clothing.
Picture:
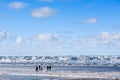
(36, 68)
(49, 67)
(40, 67)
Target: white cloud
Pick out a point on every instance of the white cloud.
(49, 39)
(46, 37)
(103, 39)
(112, 36)
(105, 34)
(19, 41)
(46, 0)
(43, 12)
(17, 5)
(27, 41)
(89, 21)
(3, 35)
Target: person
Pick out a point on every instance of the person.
(36, 68)
(40, 67)
(49, 67)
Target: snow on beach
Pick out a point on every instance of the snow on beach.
(20, 66)
(65, 74)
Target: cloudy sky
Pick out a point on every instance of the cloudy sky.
(59, 27)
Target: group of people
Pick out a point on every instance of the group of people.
(48, 68)
(39, 68)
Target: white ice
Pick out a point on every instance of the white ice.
(69, 74)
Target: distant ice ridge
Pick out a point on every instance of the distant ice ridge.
(64, 60)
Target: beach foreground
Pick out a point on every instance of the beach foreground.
(22, 73)
(92, 79)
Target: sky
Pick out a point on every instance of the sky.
(59, 27)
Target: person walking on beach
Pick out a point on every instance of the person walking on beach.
(40, 67)
(49, 67)
(36, 68)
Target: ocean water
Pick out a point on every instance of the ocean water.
(54, 69)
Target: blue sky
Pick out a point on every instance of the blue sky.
(59, 27)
